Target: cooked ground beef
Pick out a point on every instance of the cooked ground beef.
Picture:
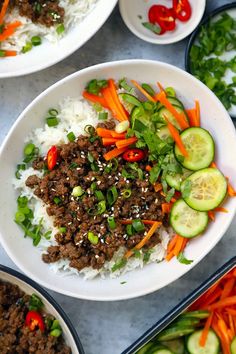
(45, 12)
(81, 163)
(15, 336)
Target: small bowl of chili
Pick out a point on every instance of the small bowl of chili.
(162, 22)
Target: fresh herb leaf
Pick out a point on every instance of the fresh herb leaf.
(35, 303)
(119, 264)
(181, 258)
(186, 190)
(170, 195)
(152, 27)
(154, 173)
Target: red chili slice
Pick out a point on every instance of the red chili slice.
(133, 155)
(182, 9)
(164, 16)
(34, 321)
(52, 157)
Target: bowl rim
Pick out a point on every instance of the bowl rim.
(180, 307)
(56, 60)
(49, 298)
(157, 40)
(195, 33)
(142, 291)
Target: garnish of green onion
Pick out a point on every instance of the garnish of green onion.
(19, 217)
(126, 193)
(148, 89)
(89, 129)
(77, 191)
(129, 230)
(101, 207)
(56, 332)
(170, 91)
(90, 157)
(151, 27)
(94, 86)
(102, 115)
(71, 136)
(99, 195)
(29, 149)
(60, 29)
(57, 200)
(27, 47)
(62, 230)
(111, 222)
(52, 121)
(93, 186)
(138, 225)
(53, 112)
(92, 238)
(36, 40)
(112, 195)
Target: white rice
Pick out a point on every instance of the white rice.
(75, 12)
(74, 115)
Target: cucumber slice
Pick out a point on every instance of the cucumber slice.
(162, 351)
(212, 345)
(163, 133)
(175, 102)
(186, 221)
(200, 147)
(202, 314)
(144, 350)
(176, 346)
(187, 321)
(176, 180)
(207, 189)
(174, 333)
(233, 346)
(129, 101)
(165, 113)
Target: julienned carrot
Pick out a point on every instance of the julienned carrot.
(161, 88)
(166, 208)
(115, 97)
(172, 243)
(114, 134)
(145, 93)
(10, 53)
(228, 287)
(229, 301)
(198, 119)
(178, 245)
(109, 141)
(180, 117)
(146, 222)
(213, 165)
(211, 299)
(9, 30)
(95, 99)
(224, 345)
(231, 312)
(175, 135)
(112, 104)
(157, 187)
(126, 142)
(205, 331)
(114, 153)
(221, 209)
(145, 239)
(211, 215)
(103, 133)
(230, 189)
(3, 10)
(192, 117)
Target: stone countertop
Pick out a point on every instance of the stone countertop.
(110, 327)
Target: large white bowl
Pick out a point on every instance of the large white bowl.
(151, 277)
(48, 54)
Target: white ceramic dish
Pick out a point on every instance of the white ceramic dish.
(131, 11)
(151, 277)
(50, 305)
(48, 54)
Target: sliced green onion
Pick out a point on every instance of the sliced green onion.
(138, 225)
(20, 167)
(98, 107)
(93, 238)
(56, 332)
(170, 91)
(27, 47)
(119, 264)
(112, 195)
(102, 115)
(131, 99)
(94, 86)
(129, 230)
(90, 157)
(151, 27)
(122, 126)
(53, 112)
(60, 29)
(19, 217)
(89, 129)
(73, 165)
(71, 136)
(111, 222)
(111, 166)
(93, 186)
(47, 235)
(57, 200)
(94, 167)
(101, 207)
(126, 193)
(77, 191)
(55, 325)
(62, 230)
(123, 84)
(35, 303)
(99, 195)
(52, 121)
(36, 40)
(29, 149)
(148, 89)
(22, 201)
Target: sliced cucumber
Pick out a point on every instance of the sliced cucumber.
(212, 345)
(174, 333)
(201, 314)
(233, 346)
(129, 101)
(176, 346)
(176, 180)
(165, 113)
(163, 133)
(200, 147)
(187, 321)
(207, 189)
(144, 350)
(186, 221)
(175, 102)
(159, 349)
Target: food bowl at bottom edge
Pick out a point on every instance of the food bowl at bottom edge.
(50, 305)
(166, 320)
(152, 276)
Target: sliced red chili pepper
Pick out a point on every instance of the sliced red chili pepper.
(133, 155)
(34, 321)
(182, 9)
(52, 157)
(153, 15)
(164, 16)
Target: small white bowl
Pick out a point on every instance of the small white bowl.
(132, 10)
(153, 276)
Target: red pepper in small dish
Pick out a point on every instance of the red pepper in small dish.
(182, 9)
(34, 321)
(133, 155)
(52, 157)
(164, 16)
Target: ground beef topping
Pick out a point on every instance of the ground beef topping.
(85, 237)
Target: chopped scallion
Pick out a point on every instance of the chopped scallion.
(111, 222)
(60, 29)
(36, 40)
(52, 121)
(57, 200)
(138, 225)
(112, 195)
(102, 115)
(126, 193)
(93, 238)
(77, 191)
(71, 136)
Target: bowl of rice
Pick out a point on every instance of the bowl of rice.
(35, 207)
(36, 35)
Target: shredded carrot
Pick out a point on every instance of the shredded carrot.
(169, 256)
(112, 104)
(145, 239)
(144, 92)
(3, 10)
(231, 325)
(9, 30)
(157, 187)
(148, 168)
(229, 301)
(126, 142)
(166, 208)
(228, 287)
(180, 117)
(103, 133)
(10, 53)
(211, 215)
(146, 222)
(161, 88)
(95, 99)
(205, 331)
(178, 245)
(231, 190)
(114, 134)
(197, 107)
(115, 97)
(192, 116)
(231, 311)
(109, 141)
(221, 209)
(114, 153)
(213, 165)
(185, 241)
(175, 135)
(172, 243)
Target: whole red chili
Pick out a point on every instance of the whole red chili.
(52, 157)
(182, 9)
(34, 321)
(164, 16)
(133, 155)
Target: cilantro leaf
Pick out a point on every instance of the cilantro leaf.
(181, 258)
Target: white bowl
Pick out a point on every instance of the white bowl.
(153, 276)
(131, 11)
(30, 287)
(48, 54)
